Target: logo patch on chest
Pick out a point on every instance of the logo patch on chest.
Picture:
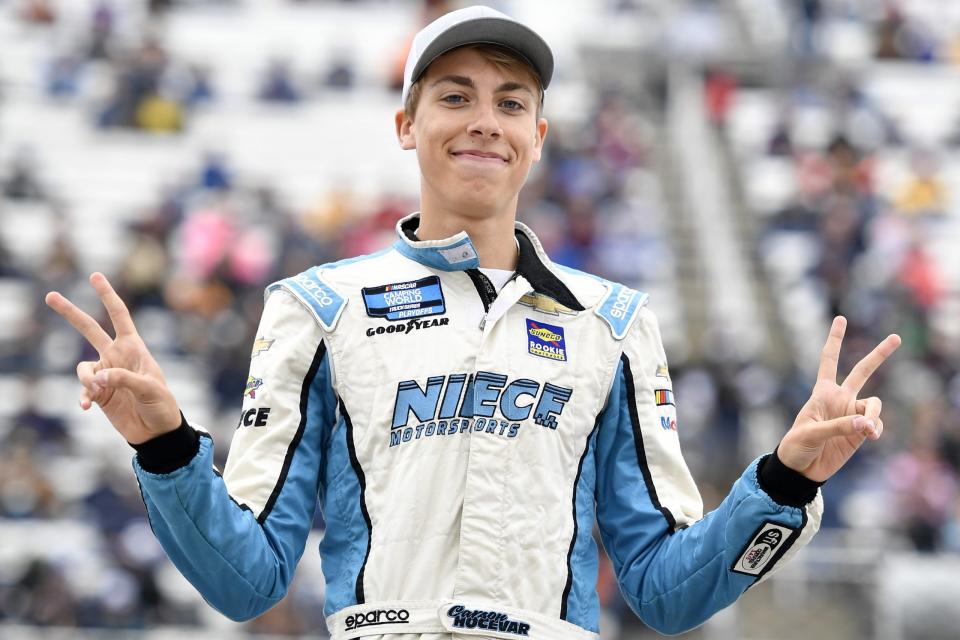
(545, 304)
(405, 300)
(546, 340)
(252, 385)
(261, 345)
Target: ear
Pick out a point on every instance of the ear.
(404, 130)
(541, 135)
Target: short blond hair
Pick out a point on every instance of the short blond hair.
(502, 57)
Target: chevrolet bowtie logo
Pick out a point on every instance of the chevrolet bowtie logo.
(261, 345)
(545, 304)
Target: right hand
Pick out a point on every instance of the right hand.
(126, 381)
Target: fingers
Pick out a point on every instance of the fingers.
(143, 387)
(857, 425)
(862, 371)
(117, 310)
(83, 323)
(96, 383)
(86, 400)
(871, 424)
(91, 390)
(830, 355)
(872, 407)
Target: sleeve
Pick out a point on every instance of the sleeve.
(675, 566)
(238, 537)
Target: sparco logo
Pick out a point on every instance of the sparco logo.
(314, 289)
(380, 616)
(622, 303)
(464, 618)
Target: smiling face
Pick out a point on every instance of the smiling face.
(476, 131)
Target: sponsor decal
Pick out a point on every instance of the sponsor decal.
(260, 345)
(668, 423)
(321, 294)
(489, 620)
(254, 417)
(411, 325)
(378, 617)
(545, 304)
(546, 340)
(663, 397)
(252, 385)
(405, 300)
(663, 371)
(486, 402)
(762, 548)
(456, 255)
(619, 308)
(622, 303)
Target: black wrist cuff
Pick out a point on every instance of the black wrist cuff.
(787, 487)
(170, 451)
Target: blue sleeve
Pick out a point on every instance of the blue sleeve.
(237, 537)
(676, 567)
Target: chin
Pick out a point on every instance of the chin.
(485, 189)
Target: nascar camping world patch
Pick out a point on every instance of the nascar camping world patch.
(405, 300)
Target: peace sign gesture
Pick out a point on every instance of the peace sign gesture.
(126, 381)
(833, 423)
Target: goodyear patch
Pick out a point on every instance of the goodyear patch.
(250, 390)
(405, 300)
(546, 340)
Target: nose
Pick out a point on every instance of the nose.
(485, 123)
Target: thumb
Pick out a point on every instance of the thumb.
(854, 425)
(143, 387)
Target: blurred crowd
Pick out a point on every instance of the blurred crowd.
(872, 201)
(911, 30)
(203, 250)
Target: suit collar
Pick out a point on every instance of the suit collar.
(457, 253)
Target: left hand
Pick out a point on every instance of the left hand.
(833, 423)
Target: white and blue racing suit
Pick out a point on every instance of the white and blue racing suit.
(463, 442)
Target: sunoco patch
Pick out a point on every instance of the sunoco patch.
(405, 300)
(546, 340)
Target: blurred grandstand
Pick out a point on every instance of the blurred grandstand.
(755, 165)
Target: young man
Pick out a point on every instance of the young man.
(465, 409)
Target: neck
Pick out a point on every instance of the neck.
(492, 235)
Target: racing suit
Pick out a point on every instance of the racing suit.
(463, 442)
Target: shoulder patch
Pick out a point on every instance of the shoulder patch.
(317, 296)
(619, 307)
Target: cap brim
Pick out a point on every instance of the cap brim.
(495, 31)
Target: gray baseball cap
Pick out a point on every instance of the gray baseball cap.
(475, 25)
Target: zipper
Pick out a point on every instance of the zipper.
(485, 288)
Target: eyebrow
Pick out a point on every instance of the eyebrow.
(464, 81)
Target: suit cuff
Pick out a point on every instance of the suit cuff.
(787, 487)
(171, 451)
